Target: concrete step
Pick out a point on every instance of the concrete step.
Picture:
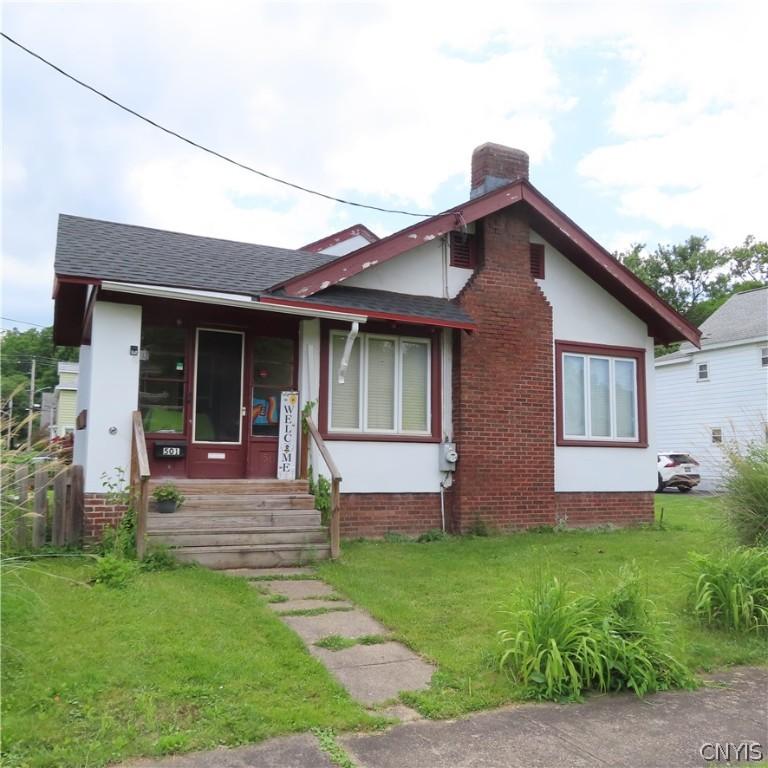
(187, 486)
(254, 556)
(283, 518)
(247, 502)
(240, 537)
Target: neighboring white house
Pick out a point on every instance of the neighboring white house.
(65, 400)
(717, 394)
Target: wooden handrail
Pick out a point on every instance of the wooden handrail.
(335, 527)
(139, 481)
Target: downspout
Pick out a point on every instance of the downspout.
(351, 336)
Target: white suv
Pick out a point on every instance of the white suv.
(677, 470)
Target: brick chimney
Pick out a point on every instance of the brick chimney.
(494, 165)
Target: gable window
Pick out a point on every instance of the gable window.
(764, 356)
(600, 395)
(702, 372)
(717, 435)
(386, 388)
(537, 260)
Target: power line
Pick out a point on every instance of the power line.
(24, 322)
(204, 148)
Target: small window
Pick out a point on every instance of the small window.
(764, 356)
(162, 379)
(702, 373)
(537, 260)
(464, 247)
(717, 435)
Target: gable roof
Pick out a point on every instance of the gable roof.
(664, 323)
(743, 316)
(105, 250)
(356, 230)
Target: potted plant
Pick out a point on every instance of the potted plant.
(167, 498)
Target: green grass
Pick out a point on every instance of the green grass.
(446, 599)
(176, 661)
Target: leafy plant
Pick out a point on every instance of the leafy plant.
(114, 572)
(395, 537)
(321, 490)
(746, 492)
(731, 589)
(478, 528)
(433, 534)
(159, 557)
(168, 492)
(561, 644)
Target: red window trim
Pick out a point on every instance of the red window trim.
(435, 378)
(579, 348)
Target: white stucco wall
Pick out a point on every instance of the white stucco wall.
(583, 311)
(734, 398)
(80, 447)
(112, 393)
(424, 271)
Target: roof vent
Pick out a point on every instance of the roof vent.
(494, 165)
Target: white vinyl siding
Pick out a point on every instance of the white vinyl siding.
(386, 387)
(599, 398)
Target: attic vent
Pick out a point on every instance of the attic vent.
(464, 249)
(537, 260)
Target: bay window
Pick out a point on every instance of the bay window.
(600, 395)
(386, 387)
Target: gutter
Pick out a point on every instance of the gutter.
(238, 301)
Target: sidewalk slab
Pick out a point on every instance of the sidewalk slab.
(260, 573)
(297, 590)
(308, 605)
(363, 655)
(345, 623)
(300, 751)
(377, 683)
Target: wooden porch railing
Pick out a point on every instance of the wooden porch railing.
(139, 481)
(313, 432)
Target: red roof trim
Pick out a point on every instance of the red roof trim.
(612, 272)
(352, 263)
(410, 319)
(340, 237)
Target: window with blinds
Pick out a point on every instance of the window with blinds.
(386, 388)
(599, 398)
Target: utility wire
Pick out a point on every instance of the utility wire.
(204, 148)
(23, 322)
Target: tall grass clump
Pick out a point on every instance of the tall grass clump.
(746, 492)
(560, 645)
(731, 589)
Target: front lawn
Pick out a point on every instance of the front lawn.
(178, 660)
(445, 598)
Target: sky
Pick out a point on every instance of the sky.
(644, 122)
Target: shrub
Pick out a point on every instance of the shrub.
(560, 644)
(114, 572)
(321, 490)
(433, 534)
(731, 589)
(746, 493)
(159, 557)
(478, 528)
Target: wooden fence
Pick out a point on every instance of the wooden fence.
(36, 524)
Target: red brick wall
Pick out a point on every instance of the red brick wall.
(374, 514)
(503, 400)
(586, 509)
(99, 515)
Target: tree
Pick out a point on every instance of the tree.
(749, 262)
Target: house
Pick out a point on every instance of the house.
(718, 394)
(498, 328)
(65, 400)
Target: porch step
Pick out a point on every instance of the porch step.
(247, 486)
(254, 555)
(239, 536)
(244, 501)
(217, 518)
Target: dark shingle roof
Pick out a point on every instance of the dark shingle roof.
(109, 251)
(743, 316)
(428, 307)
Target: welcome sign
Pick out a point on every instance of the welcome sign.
(286, 443)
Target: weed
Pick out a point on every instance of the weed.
(327, 740)
(159, 557)
(478, 528)
(393, 537)
(339, 643)
(731, 589)
(314, 611)
(433, 534)
(114, 572)
(746, 497)
(277, 599)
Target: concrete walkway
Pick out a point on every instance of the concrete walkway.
(668, 730)
(373, 673)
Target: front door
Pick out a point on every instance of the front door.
(218, 445)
